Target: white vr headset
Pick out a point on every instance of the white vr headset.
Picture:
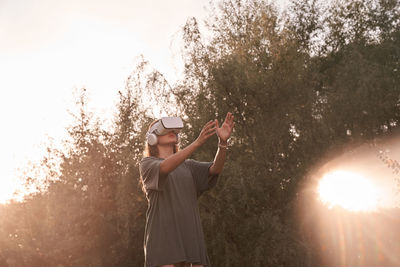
(162, 127)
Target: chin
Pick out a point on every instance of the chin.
(167, 140)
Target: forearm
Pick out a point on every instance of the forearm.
(173, 161)
(219, 160)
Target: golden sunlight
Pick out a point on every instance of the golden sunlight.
(12, 175)
(348, 190)
(7, 188)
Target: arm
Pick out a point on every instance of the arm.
(223, 135)
(173, 161)
(219, 160)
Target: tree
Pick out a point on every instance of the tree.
(298, 89)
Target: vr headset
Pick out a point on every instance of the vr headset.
(162, 127)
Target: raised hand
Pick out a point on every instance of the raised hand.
(208, 130)
(225, 131)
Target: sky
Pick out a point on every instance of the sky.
(49, 48)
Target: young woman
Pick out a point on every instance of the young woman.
(172, 183)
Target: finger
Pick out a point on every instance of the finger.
(209, 125)
(211, 129)
(206, 127)
(205, 132)
(216, 124)
(208, 135)
(231, 120)
(231, 117)
(227, 117)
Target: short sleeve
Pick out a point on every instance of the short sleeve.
(200, 172)
(150, 172)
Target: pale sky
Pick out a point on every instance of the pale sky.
(48, 48)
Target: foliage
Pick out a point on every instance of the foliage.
(295, 97)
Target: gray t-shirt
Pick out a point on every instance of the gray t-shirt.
(173, 230)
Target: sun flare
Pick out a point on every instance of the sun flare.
(348, 190)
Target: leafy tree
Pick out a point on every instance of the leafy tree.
(295, 97)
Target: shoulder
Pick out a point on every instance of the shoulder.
(147, 161)
(151, 158)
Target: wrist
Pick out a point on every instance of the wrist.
(222, 142)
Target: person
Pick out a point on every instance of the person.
(172, 183)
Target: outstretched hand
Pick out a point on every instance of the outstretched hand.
(208, 130)
(225, 131)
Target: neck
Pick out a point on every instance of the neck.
(165, 151)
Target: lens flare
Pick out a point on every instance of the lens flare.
(348, 190)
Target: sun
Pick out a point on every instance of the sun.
(348, 190)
